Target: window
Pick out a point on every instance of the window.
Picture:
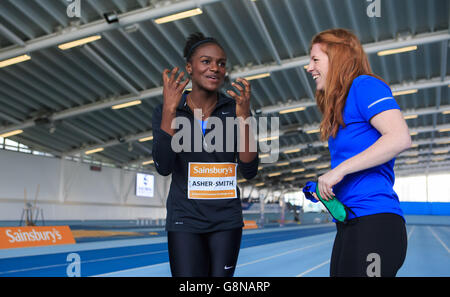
(431, 188)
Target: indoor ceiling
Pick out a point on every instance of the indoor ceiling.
(62, 99)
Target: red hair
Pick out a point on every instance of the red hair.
(347, 60)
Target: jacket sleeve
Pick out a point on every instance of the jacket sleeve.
(250, 169)
(163, 155)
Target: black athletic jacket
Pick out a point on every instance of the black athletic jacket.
(192, 215)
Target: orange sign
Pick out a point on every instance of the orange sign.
(212, 181)
(212, 170)
(18, 237)
(250, 224)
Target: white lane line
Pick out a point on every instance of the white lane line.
(82, 262)
(440, 241)
(240, 265)
(410, 232)
(313, 268)
(284, 253)
(33, 268)
(131, 269)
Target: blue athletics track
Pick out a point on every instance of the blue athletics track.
(289, 251)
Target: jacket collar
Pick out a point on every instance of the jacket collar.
(223, 100)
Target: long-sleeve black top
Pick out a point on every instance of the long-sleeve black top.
(199, 215)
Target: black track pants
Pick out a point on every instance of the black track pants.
(204, 254)
(373, 245)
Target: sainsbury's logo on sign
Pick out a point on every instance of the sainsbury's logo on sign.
(16, 237)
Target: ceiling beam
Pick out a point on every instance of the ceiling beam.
(151, 93)
(99, 26)
(262, 28)
(126, 139)
(285, 130)
(11, 36)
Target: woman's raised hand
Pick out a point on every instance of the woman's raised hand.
(173, 88)
(243, 99)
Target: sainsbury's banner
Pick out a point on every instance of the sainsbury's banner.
(30, 236)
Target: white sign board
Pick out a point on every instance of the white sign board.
(144, 185)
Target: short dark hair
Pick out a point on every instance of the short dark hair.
(195, 40)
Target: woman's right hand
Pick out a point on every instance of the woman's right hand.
(172, 89)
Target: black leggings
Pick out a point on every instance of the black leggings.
(204, 254)
(373, 245)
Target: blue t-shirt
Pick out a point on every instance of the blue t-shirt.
(368, 191)
(203, 125)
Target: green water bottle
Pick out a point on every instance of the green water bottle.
(334, 206)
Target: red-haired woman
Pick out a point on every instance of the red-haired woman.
(365, 131)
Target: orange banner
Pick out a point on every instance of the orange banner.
(250, 224)
(212, 169)
(18, 237)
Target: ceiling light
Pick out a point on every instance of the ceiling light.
(11, 133)
(148, 162)
(268, 138)
(259, 184)
(322, 166)
(397, 50)
(309, 159)
(178, 16)
(100, 149)
(444, 130)
(411, 116)
(438, 159)
(309, 175)
(14, 60)
(298, 170)
(128, 104)
(289, 178)
(283, 164)
(405, 92)
(79, 42)
(292, 151)
(257, 76)
(274, 174)
(437, 152)
(146, 139)
(292, 109)
(312, 131)
(443, 141)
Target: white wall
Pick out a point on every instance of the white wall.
(424, 188)
(71, 191)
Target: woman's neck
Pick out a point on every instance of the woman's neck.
(203, 101)
(202, 98)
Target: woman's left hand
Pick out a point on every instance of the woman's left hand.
(243, 99)
(327, 181)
